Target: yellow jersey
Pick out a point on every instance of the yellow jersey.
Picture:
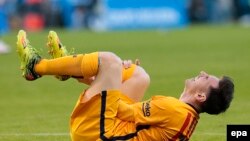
(113, 116)
(163, 118)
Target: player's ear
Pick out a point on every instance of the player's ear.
(200, 96)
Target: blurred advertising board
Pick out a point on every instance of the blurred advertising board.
(141, 14)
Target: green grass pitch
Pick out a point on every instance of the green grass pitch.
(40, 110)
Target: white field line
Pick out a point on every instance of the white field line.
(209, 134)
(67, 134)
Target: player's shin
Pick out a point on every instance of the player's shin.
(81, 65)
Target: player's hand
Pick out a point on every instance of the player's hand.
(127, 63)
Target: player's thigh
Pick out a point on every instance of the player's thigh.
(97, 116)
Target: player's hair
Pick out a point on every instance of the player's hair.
(219, 99)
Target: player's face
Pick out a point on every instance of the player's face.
(201, 83)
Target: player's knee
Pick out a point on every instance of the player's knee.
(142, 76)
(110, 60)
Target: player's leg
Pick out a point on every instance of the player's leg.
(85, 65)
(135, 79)
(95, 112)
(33, 66)
(109, 75)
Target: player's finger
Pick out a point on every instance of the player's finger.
(137, 62)
(127, 63)
(124, 63)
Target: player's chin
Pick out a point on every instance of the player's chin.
(188, 82)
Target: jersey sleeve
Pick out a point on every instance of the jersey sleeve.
(150, 112)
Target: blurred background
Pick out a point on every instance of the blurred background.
(105, 15)
(174, 40)
(35, 15)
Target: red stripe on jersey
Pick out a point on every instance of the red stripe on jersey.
(184, 126)
(192, 127)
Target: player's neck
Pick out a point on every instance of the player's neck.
(195, 108)
(188, 99)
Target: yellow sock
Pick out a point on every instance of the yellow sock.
(90, 64)
(85, 65)
(127, 73)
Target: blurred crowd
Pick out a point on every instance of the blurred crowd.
(35, 15)
(219, 11)
(38, 14)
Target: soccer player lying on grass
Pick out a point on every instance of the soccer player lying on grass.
(110, 109)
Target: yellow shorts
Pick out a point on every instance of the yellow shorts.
(96, 119)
